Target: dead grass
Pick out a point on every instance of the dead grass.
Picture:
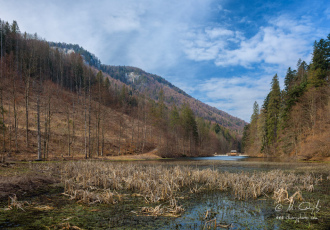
(10, 186)
(110, 182)
(13, 203)
(145, 156)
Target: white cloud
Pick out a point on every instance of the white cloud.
(167, 36)
(205, 45)
(218, 32)
(236, 95)
(282, 42)
(142, 33)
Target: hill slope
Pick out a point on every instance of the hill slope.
(295, 122)
(57, 102)
(151, 85)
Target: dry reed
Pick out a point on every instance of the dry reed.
(102, 182)
(13, 203)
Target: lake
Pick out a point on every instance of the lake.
(221, 158)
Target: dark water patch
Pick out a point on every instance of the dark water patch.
(263, 213)
(219, 206)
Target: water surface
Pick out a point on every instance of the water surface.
(220, 158)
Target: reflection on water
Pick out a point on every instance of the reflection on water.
(205, 210)
(258, 214)
(236, 158)
(220, 158)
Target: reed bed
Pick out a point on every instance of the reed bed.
(109, 182)
(13, 203)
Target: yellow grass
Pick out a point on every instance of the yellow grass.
(110, 182)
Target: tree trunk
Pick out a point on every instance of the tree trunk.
(73, 122)
(98, 130)
(89, 114)
(3, 128)
(48, 131)
(69, 137)
(3, 114)
(10, 128)
(132, 139)
(120, 127)
(102, 145)
(38, 127)
(15, 115)
(138, 133)
(85, 130)
(145, 132)
(27, 89)
(45, 132)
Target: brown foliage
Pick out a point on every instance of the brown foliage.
(23, 184)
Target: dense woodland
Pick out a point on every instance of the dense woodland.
(295, 121)
(55, 103)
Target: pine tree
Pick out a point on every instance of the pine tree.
(255, 113)
(174, 117)
(273, 111)
(189, 125)
(289, 79)
(321, 62)
(262, 125)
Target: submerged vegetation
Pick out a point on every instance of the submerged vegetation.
(96, 194)
(107, 182)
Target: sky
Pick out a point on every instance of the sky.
(222, 52)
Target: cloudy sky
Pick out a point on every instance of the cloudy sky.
(222, 52)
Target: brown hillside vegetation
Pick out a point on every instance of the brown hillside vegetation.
(54, 105)
(67, 122)
(151, 85)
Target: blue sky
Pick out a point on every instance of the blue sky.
(222, 52)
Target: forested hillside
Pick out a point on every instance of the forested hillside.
(151, 85)
(295, 121)
(56, 102)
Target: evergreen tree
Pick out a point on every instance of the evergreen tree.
(161, 104)
(174, 117)
(189, 122)
(245, 138)
(107, 83)
(123, 96)
(289, 79)
(273, 111)
(301, 74)
(262, 124)
(99, 77)
(216, 128)
(255, 113)
(321, 62)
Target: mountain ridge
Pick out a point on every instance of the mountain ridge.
(151, 85)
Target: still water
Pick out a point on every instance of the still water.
(224, 210)
(235, 158)
(209, 209)
(221, 158)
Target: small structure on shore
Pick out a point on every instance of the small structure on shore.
(233, 153)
